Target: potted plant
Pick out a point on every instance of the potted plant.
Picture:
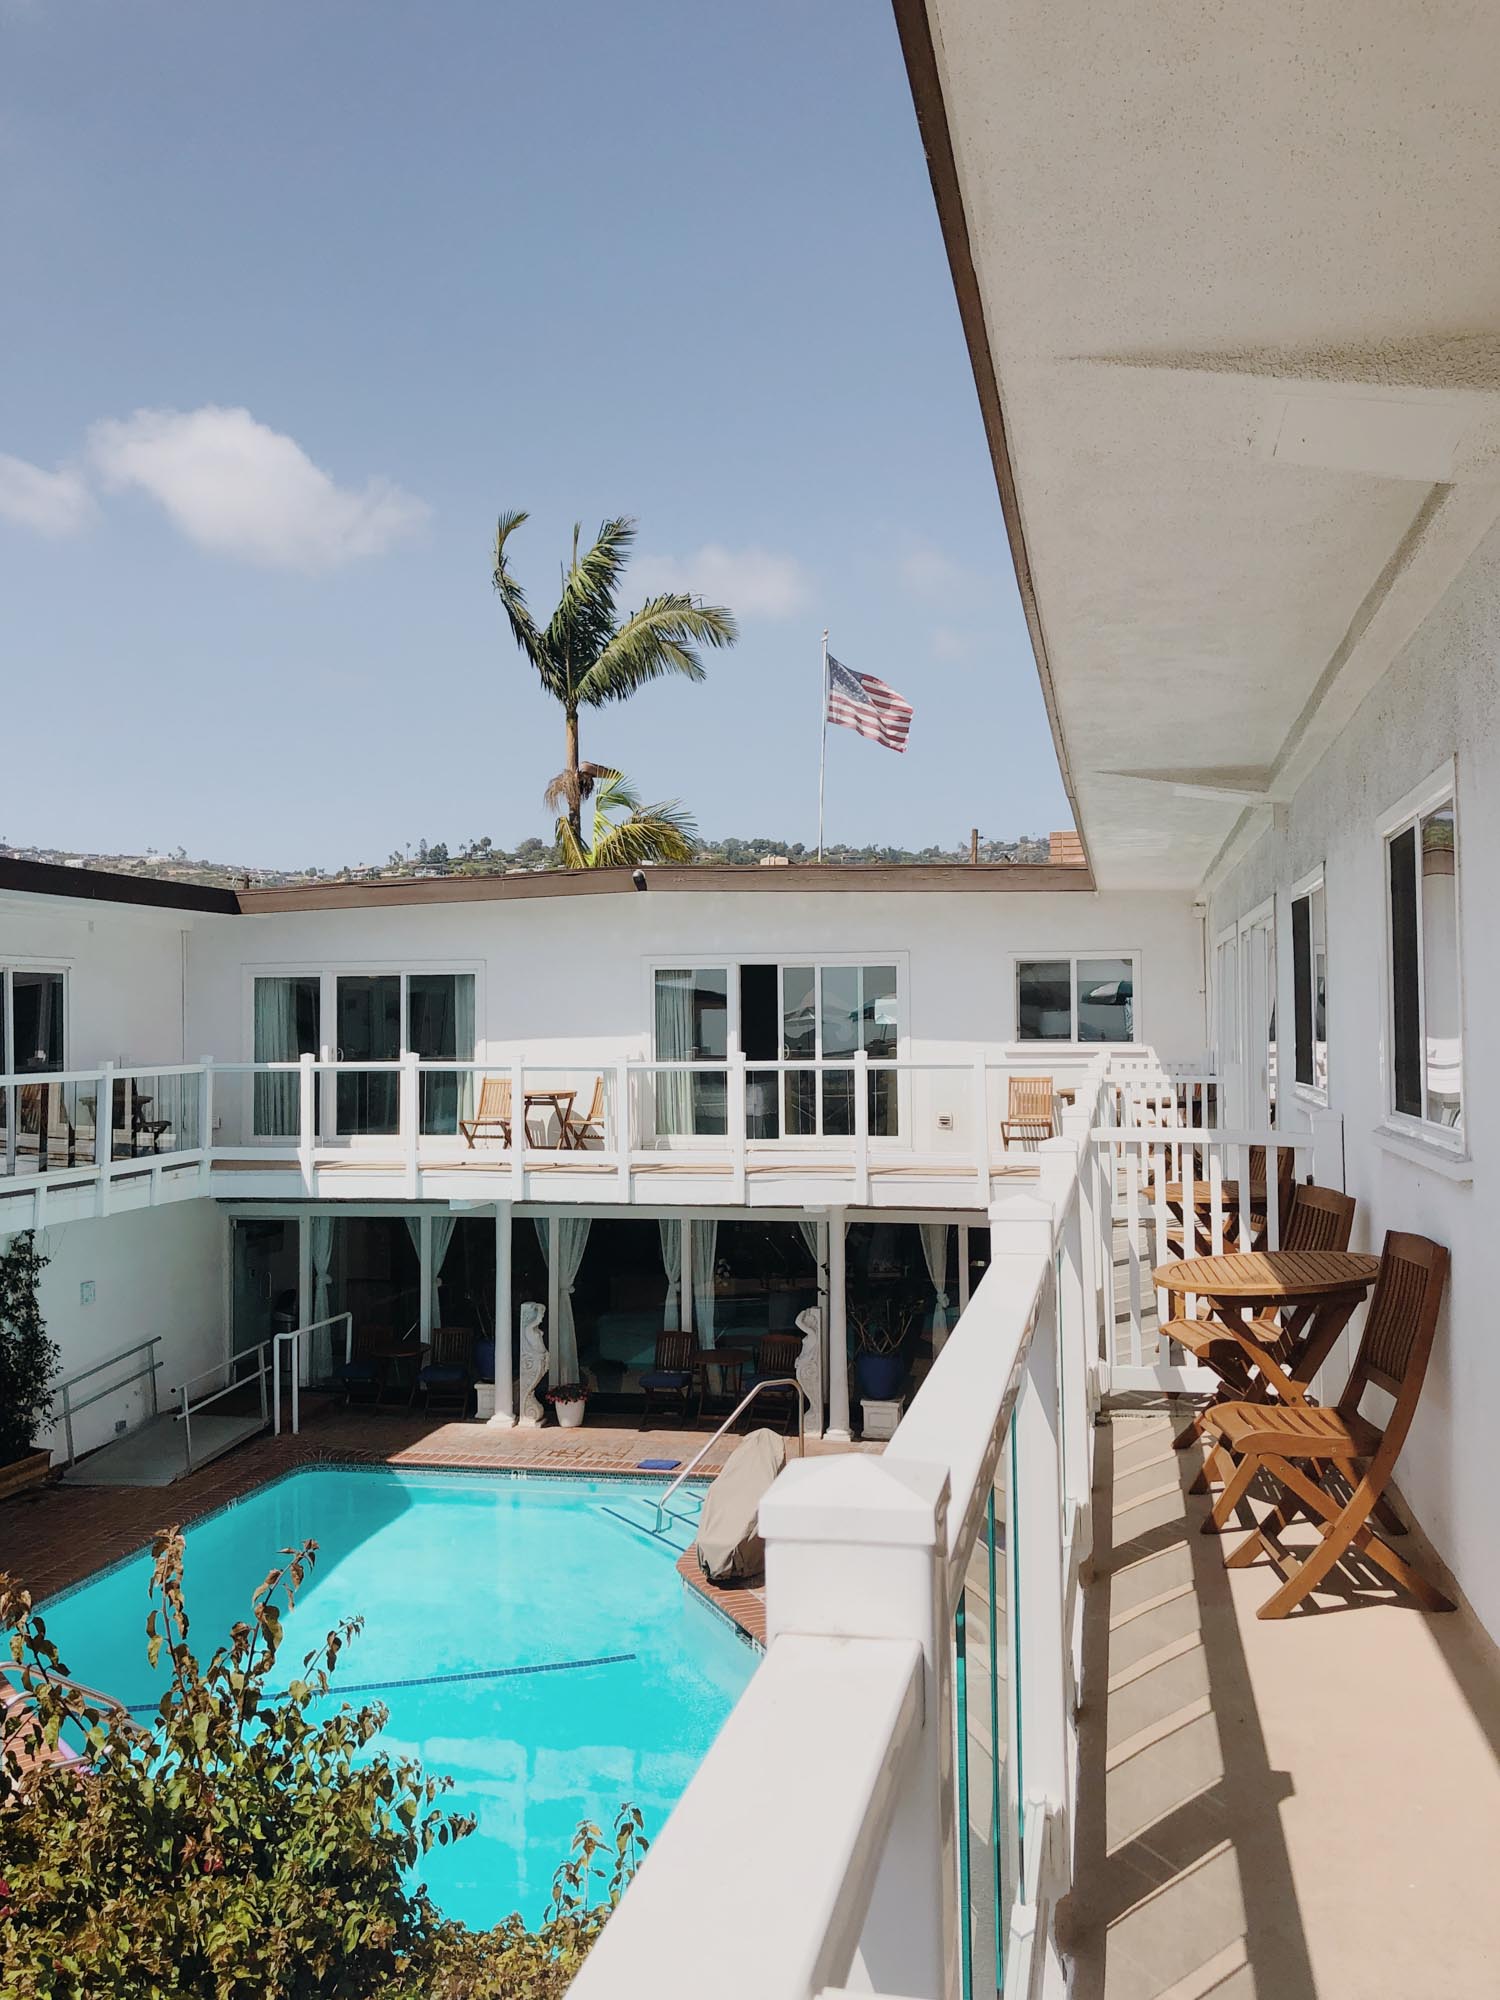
(569, 1400)
(28, 1364)
(880, 1329)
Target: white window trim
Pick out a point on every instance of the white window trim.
(1445, 1141)
(731, 962)
(1309, 1093)
(1135, 957)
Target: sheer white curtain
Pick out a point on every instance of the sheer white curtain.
(705, 1243)
(442, 1237)
(320, 1248)
(935, 1250)
(276, 1041)
(671, 1262)
(674, 1043)
(572, 1236)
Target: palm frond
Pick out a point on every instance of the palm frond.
(661, 638)
(513, 597)
(572, 788)
(584, 620)
(662, 832)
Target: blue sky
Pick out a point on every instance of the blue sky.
(296, 298)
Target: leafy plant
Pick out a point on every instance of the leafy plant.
(568, 1392)
(661, 832)
(587, 655)
(236, 1847)
(28, 1359)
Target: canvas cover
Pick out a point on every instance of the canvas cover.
(729, 1546)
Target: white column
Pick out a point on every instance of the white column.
(856, 1549)
(505, 1414)
(838, 1332)
(424, 1282)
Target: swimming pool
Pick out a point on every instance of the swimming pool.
(527, 1644)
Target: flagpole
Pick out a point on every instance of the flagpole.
(823, 747)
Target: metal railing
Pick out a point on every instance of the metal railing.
(188, 1409)
(64, 1390)
(288, 1342)
(777, 1382)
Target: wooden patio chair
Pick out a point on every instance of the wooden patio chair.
(361, 1374)
(577, 1129)
(672, 1373)
(1301, 1446)
(1321, 1219)
(1028, 1108)
(42, 1112)
(775, 1361)
(447, 1367)
(493, 1114)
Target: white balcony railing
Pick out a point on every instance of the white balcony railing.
(890, 1804)
(858, 1119)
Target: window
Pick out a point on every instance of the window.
(855, 1008)
(31, 1041)
(692, 1025)
(1075, 999)
(1426, 1066)
(1310, 990)
(286, 1016)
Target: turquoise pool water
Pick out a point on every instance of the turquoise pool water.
(461, 1580)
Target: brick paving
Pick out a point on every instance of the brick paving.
(57, 1535)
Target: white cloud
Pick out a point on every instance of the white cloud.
(948, 643)
(927, 572)
(53, 503)
(754, 583)
(238, 487)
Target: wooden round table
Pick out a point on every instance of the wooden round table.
(1315, 1290)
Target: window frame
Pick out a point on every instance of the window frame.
(1303, 890)
(1132, 956)
(1434, 793)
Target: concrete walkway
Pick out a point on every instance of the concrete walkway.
(1306, 1809)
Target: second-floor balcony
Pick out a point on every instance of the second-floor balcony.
(859, 1132)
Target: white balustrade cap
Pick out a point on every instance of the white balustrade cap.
(858, 1499)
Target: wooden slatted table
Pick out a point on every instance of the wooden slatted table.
(1315, 1291)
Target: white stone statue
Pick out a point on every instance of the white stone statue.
(534, 1362)
(810, 1368)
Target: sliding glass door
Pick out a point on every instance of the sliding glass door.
(380, 1015)
(836, 1010)
(440, 1028)
(287, 1025)
(31, 1042)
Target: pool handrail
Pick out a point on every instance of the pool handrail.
(188, 1410)
(772, 1382)
(290, 1338)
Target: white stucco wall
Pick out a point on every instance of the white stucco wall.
(155, 1270)
(126, 970)
(1440, 700)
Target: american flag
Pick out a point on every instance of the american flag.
(868, 706)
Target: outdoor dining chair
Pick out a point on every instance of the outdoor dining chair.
(493, 1115)
(671, 1375)
(447, 1368)
(1028, 1108)
(1303, 1448)
(577, 1129)
(1321, 1219)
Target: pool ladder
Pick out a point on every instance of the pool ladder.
(665, 1513)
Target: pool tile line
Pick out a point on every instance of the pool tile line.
(449, 1680)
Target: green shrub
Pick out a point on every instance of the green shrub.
(237, 1847)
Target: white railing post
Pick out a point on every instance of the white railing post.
(622, 1128)
(856, 1550)
(104, 1133)
(307, 1116)
(518, 1130)
(409, 1098)
(737, 1114)
(838, 1331)
(982, 1130)
(206, 1120)
(504, 1416)
(861, 1128)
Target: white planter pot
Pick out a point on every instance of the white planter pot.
(570, 1415)
(881, 1419)
(484, 1401)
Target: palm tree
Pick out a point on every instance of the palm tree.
(588, 656)
(661, 832)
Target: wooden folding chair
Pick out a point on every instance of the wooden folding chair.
(1283, 1439)
(493, 1114)
(1028, 1109)
(673, 1372)
(1321, 1219)
(447, 1368)
(576, 1130)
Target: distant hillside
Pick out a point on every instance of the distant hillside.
(482, 857)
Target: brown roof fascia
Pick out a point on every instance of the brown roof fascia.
(873, 878)
(102, 885)
(915, 30)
